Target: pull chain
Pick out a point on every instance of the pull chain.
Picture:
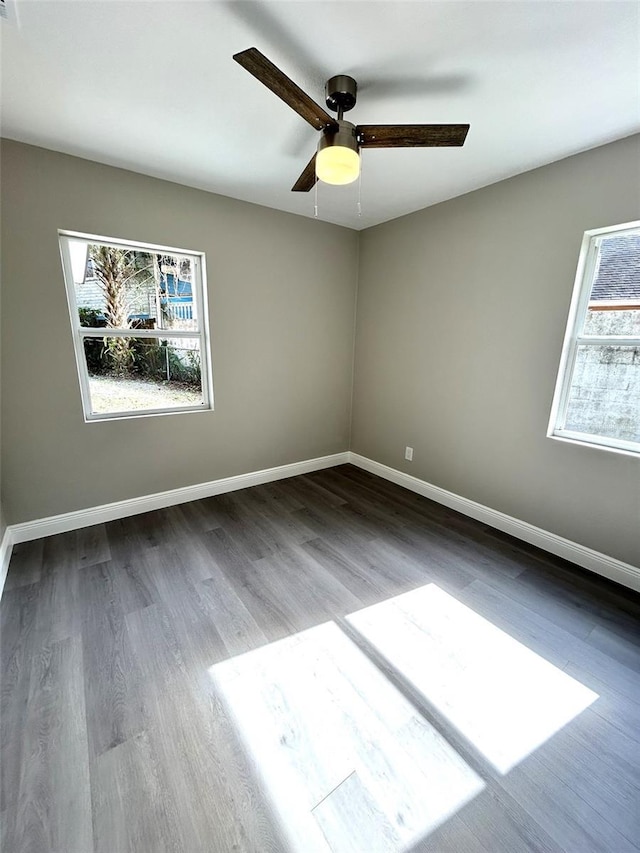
(315, 203)
(359, 206)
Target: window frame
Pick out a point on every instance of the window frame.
(573, 338)
(79, 333)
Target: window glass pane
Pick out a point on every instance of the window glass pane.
(616, 283)
(604, 398)
(612, 322)
(128, 289)
(176, 292)
(137, 374)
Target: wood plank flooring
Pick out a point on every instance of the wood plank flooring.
(119, 735)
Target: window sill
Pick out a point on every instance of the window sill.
(595, 442)
(153, 413)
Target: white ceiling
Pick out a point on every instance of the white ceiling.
(151, 86)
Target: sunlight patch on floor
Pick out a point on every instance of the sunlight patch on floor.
(345, 759)
(502, 697)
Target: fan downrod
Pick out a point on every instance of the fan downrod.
(341, 92)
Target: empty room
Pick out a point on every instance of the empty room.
(320, 426)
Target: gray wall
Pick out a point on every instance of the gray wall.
(3, 523)
(281, 328)
(461, 315)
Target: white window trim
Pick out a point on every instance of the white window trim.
(80, 332)
(577, 314)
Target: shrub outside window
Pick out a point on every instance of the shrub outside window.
(139, 322)
(597, 397)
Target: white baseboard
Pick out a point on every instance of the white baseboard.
(6, 547)
(41, 527)
(601, 564)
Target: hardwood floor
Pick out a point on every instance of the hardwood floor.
(158, 694)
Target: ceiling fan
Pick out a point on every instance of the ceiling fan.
(337, 160)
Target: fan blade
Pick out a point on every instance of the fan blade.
(270, 75)
(307, 179)
(410, 135)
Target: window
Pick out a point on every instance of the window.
(597, 398)
(139, 321)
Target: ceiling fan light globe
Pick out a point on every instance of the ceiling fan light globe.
(337, 165)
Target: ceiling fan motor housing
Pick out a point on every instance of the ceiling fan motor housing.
(340, 93)
(345, 136)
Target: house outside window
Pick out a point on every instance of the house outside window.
(139, 322)
(597, 398)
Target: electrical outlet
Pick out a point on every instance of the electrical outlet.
(408, 454)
